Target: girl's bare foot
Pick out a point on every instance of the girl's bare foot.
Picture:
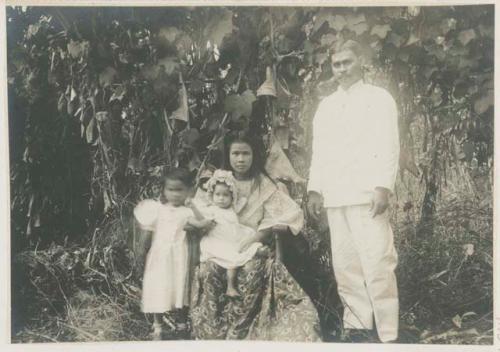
(231, 292)
(157, 332)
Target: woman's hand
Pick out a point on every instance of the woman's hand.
(246, 242)
(260, 236)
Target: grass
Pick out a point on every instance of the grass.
(445, 277)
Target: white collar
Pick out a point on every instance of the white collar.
(352, 88)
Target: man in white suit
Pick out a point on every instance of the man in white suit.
(355, 152)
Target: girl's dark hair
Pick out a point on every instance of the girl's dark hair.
(175, 174)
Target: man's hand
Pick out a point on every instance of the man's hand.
(380, 201)
(314, 205)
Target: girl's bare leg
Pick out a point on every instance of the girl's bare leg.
(182, 320)
(157, 327)
(231, 283)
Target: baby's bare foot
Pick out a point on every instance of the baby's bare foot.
(262, 252)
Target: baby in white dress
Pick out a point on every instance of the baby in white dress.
(222, 243)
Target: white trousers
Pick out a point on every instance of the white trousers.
(364, 260)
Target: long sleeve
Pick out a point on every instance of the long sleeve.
(314, 183)
(386, 148)
(280, 209)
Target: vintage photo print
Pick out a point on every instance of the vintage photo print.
(316, 173)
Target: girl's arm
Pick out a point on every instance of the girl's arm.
(200, 223)
(143, 246)
(146, 215)
(197, 213)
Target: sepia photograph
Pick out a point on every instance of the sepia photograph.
(296, 173)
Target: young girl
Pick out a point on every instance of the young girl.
(165, 282)
(222, 243)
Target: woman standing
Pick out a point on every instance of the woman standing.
(272, 305)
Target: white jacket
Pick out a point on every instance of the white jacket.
(355, 145)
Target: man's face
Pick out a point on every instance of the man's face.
(346, 68)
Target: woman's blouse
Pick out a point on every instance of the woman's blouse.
(262, 205)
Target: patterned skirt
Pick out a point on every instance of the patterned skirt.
(272, 306)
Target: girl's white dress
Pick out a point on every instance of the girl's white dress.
(222, 243)
(165, 282)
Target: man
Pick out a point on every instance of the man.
(353, 171)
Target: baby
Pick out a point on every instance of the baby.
(221, 244)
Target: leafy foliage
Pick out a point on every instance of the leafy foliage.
(102, 101)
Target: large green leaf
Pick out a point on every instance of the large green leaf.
(393, 12)
(487, 31)
(413, 11)
(32, 30)
(447, 25)
(239, 105)
(412, 39)
(380, 30)
(483, 103)
(219, 26)
(395, 39)
(320, 17)
(328, 39)
(170, 63)
(190, 136)
(77, 49)
(357, 23)
(466, 36)
(107, 76)
(169, 33)
(337, 22)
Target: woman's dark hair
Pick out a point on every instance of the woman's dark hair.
(255, 143)
(175, 174)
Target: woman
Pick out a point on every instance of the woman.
(272, 305)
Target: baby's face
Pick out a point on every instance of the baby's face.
(222, 196)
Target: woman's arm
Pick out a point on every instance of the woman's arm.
(197, 213)
(281, 213)
(259, 236)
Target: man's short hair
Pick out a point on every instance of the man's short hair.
(349, 44)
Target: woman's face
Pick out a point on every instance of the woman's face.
(240, 159)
